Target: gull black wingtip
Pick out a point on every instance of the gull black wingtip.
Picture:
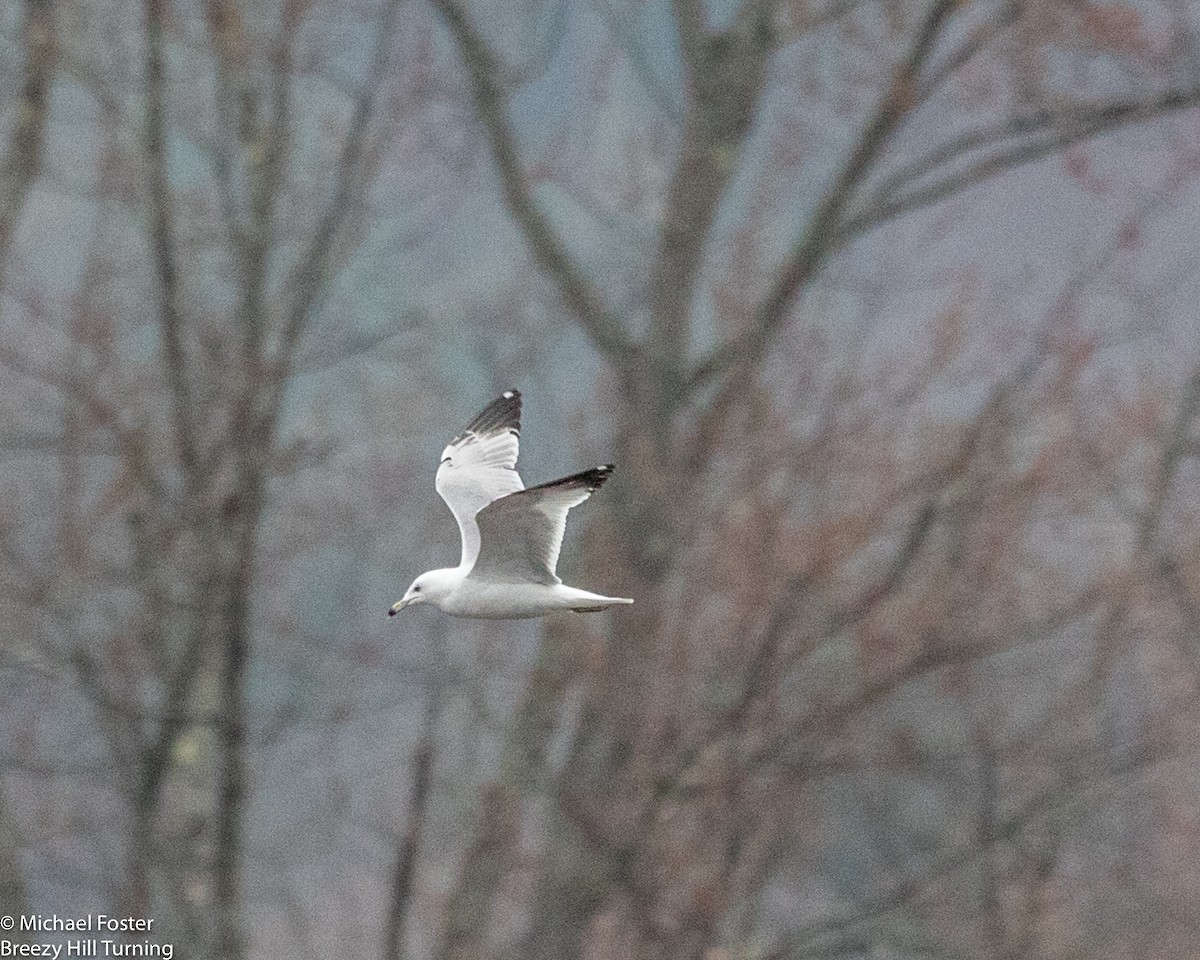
(595, 478)
(592, 480)
(503, 413)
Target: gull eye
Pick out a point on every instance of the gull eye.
(416, 589)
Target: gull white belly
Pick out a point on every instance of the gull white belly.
(505, 601)
(514, 601)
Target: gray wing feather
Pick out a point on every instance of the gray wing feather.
(521, 534)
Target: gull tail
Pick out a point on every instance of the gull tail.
(584, 601)
(594, 603)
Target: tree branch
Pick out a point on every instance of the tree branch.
(724, 75)
(1037, 136)
(1043, 134)
(310, 272)
(162, 239)
(975, 41)
(21, 165)
(601, 327)
(403, 888)
(1070, 791)
(231, 96)
(492, 849)
(820, 238)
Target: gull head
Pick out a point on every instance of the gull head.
(429, 587)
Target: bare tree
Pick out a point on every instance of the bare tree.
(635, 753)
(193, 476)
(910, 523)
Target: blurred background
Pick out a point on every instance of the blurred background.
(886, 311)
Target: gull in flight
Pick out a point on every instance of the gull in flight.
(510, 535)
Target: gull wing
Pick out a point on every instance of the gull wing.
(522, 533)
(480, 465)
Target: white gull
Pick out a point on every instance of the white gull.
(511, 536)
